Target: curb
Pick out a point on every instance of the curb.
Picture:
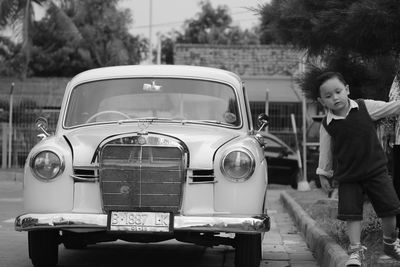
(327, 252)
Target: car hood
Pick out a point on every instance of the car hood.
(201, 140)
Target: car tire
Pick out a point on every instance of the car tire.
(73, 240)
(248, 250)
(294, 180)
(43, 247)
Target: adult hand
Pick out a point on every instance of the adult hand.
(325, 184)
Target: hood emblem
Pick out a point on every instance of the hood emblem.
(125, 189)
(141, 140)
(143, 125)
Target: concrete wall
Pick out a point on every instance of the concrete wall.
(250, 60)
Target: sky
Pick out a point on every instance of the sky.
(168, 15)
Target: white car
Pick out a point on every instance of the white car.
(147, 154)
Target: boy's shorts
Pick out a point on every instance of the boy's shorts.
(380, 191)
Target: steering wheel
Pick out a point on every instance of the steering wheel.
(107, 112)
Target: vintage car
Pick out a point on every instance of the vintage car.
(146, 154)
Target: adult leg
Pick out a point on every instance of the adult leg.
(391, 246)
(388, 226)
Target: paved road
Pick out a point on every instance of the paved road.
(282, 246)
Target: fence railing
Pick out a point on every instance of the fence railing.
(18, 132)
(25, 111)
(280, 124)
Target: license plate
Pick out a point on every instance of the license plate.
(140, 221)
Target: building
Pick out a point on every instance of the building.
(264, 68)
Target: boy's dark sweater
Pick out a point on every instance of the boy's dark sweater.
(356, 149)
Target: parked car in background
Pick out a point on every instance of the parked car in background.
(147, 154)
(313, 148)
(283, 167)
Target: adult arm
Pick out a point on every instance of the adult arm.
(381, 109)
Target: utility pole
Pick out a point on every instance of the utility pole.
(159, 49)
(10, 129)
(150, 61)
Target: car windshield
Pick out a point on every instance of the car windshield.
(157, 99)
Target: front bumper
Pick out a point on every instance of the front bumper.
(33, 221)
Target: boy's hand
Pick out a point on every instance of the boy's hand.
(325, 184)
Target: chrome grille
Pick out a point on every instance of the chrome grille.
(141, 177)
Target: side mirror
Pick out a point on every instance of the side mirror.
(263, 121)
(42, 124)
(260, 139)
(283, 153)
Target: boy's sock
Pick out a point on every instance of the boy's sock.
(391, 246)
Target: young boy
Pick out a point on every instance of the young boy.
(351, 153)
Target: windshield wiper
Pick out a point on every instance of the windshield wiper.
(149, 119)
(203, 121)
(153, 119)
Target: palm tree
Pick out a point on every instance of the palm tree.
(19, 14)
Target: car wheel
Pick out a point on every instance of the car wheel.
(73, 240)
(43, 247)
(294, 180)
(248, 250)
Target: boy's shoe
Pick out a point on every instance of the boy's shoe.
(391, 247)
(356, 255)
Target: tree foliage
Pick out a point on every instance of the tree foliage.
(97, 36)
(19, 14)
(365, 27)
(210, 26)
(358, 38)
(370, 79)
(214, 26)
(105, 31)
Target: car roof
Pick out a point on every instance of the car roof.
(170, 71)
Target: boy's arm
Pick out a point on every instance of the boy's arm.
(324, 170)
(381, 109)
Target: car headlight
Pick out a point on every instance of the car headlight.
(238, 165)
(46, 165)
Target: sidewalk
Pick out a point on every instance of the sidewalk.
(15, 175)
(327, 252)
(284, 244)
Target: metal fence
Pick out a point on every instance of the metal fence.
(17, 126)
(21, 134)
(280, 123)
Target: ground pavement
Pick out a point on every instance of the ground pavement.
(283, 245)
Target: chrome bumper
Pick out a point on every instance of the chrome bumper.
(33, 221)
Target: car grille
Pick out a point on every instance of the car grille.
(141, 177)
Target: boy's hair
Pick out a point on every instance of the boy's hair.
(326, 76)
